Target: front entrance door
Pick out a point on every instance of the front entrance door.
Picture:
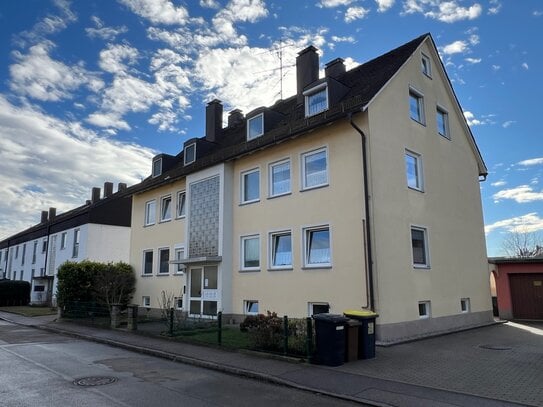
(203, 291)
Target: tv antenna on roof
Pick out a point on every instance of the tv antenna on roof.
(278, 52)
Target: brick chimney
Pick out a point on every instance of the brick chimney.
(95, 196)
(235, 117)
(44, 216)
(307, 70)
(121, 186)
(108, 189)
(52, 214)
(213, 120)
(334, 68)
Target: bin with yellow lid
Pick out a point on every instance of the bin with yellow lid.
(366, 333)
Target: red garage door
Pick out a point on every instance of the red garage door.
(527, 295)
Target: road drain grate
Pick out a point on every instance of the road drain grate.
(495, 347)
(95, 381)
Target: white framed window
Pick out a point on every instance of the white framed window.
(181, 204)
(179, 255)
(255, 127)
(157, 167)
(190, 154)
(178, 301)
(279, 181)
(315, 308)
(317, 250)
(250, 307)
(465, 305)
(166, 208)
(146, 301)
(147, 268)
(75, 251)
(314, 169)
(419, 247)
(442, 120)
(250, 186)
(426, 65)
(425, 310)
(63, 239)
(413, 170)
(281, 250)
(250, 252)
(416, 106)
(164, 260)
(316, 100)
(150, 213)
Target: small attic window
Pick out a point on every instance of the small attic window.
(426, 66)
(255, 127)
(157, 167)
(316, 100)
(190, 154)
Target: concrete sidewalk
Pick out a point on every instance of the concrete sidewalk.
(451, 370)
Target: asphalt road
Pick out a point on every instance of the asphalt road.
(38, 368)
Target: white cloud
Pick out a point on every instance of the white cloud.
(349, 39)
(532, 161)
(37, 149)
(473, 121)
(209, 4)
(445, 11)
(508, 123)
(495, 7)
(158, 11)
(384, 5)
(334, 3)
(525, 66)
(499, 183)
(473, 60)
(111, 58)
(355, 13)
(520, 194)
(457, 47)
(537, 13)
(39, 76)
(496, 67)
(238, 10)
(105, 33)
(530, 222)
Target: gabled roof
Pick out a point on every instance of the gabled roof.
(364, 82)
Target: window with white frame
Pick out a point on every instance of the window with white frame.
(316, 100)
(146, 301)
(250, 307)
(147, 262)
(181, 204)
(150, 213)
(164, 260)
(179, 255)
(75, 249)
(314, 169)
(426, 65)
(190, 154)
(157, 167)
(442, 119)
(416, 106)
(63, 239)
(281, 250)
(413, 170)
(250, 186)
(424, 309)
(315, 308)
(279, 178)
(255, 127)
(166, 208)
(419, 246)
(250, 252)
(317, 251)
(464, 305)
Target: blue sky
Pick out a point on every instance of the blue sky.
(91, 90)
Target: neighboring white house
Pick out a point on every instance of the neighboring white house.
(98, 231)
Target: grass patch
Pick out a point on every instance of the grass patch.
(29, 311)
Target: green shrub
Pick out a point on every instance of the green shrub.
(265, 331)
(14, 292)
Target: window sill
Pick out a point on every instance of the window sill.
(429, 76)
(179, 273)
(162, 274)
(165, 220)
(424, 317)
(314, 187)
(415, 189)
(421, 267)
(146, 275)
(286, 268)
(318, 267)
(249, 270)
(419, 122)
(249, 202)
(147, 225)
(280, 195)
(445, 136)
(181, 217)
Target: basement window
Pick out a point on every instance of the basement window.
(424, 309)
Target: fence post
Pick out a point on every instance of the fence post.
(115, 311)
(219, 321)
(171, 321)
(309, 338)
(132, 323)
(285, 334)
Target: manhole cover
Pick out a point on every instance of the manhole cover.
(95, 381)
(495, 347)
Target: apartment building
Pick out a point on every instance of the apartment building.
(98, 231)
(361, 191)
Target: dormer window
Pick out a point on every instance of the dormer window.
(255, 127)
(190, 153)
(316, 100)
(157, 167)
